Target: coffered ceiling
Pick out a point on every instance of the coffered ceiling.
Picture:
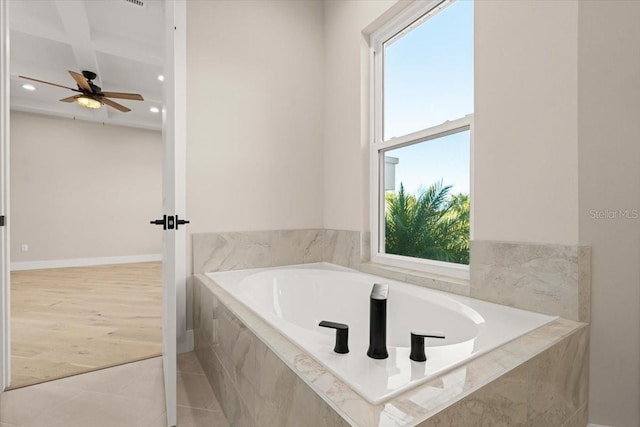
(122, 41)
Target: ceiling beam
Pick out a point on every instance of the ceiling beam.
(130, 50)
(123, 48)
(41, 32)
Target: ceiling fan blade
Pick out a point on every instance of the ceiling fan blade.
(82, 82)
(47, 83)
(71, 98)
(121, 95)
(115, 105)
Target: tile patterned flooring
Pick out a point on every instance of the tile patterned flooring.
(130, 395)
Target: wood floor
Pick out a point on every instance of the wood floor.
(72, 320)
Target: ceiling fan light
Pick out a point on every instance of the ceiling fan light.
(86, 102)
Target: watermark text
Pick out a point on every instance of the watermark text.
(614, 213)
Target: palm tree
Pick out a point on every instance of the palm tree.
(432, 224)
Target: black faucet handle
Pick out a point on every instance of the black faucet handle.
(342, 335)
(417, 343)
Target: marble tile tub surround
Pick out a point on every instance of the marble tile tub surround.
(261, 378)
(550, 279)
(253, 249)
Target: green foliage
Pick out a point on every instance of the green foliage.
(431, 224)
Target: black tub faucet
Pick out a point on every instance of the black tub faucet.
(342, 335)
(417, 343)
(378, 322)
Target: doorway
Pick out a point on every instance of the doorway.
(175, 335)
(80, 298)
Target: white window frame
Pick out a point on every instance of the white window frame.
(412, 16)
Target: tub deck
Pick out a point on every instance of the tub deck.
(294, 299)
(261, 378)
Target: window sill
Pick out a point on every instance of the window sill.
(419, 278)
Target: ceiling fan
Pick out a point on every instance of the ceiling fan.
(92, 96)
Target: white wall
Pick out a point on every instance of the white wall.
(346, 113)
(255, 97)
(609, 165)
(525, 131)
(83, 190)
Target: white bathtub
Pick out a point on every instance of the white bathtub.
(295, 299)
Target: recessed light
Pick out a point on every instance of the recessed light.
(154, 109)
(161, 77)
(28, 87)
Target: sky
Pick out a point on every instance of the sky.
(428, 79)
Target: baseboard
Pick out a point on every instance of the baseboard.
(597, 425)
(83, 262)
(186, 344)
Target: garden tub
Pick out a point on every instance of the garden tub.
(295, 299)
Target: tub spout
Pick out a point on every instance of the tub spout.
(378, 322)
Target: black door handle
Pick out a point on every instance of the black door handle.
(162, 222)
(169, 222)
(180, 222)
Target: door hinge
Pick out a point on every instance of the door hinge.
(1, 220)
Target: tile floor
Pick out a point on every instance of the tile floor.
(130, 395)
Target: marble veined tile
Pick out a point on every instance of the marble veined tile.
(305, 404)
(296, 246)
(192, 417)
(542, 278)
(502, 402)
(96, 410)
(194, 392)
(231, 251)
(346, 248)
(190, 299)
(23, 405)
(558, 381)
(254, 249)
(262, 377)
(188, 363)
(584, 284)
(233, 404)
(580, 418)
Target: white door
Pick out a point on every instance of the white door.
(5, 350)
(174, 170)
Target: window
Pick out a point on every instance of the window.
(422, 131)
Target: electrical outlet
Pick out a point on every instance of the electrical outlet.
(24, 247)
